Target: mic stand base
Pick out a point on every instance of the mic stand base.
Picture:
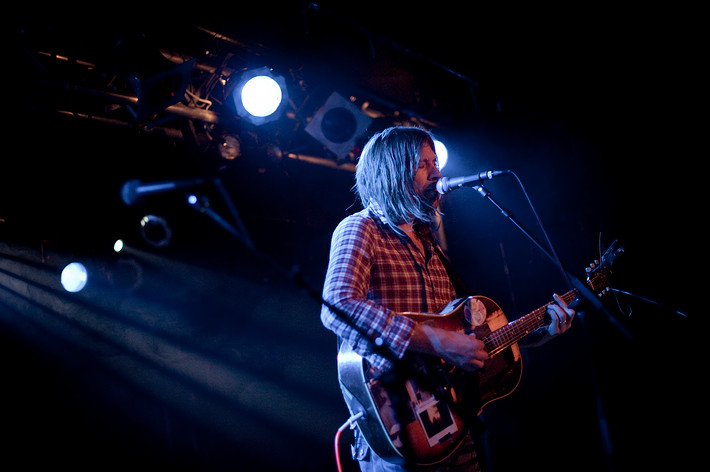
(650, 302)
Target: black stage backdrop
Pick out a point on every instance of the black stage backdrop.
(205, 355)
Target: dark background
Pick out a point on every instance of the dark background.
(203, 355)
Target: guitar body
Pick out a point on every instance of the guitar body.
(406, 420)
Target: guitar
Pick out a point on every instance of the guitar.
(421, 418)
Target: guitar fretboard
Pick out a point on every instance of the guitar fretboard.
(506, 336)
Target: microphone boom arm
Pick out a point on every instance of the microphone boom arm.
(581, 287)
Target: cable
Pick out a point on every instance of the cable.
(648, 300)
(557, 260)
(342, 428)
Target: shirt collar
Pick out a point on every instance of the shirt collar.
(374, 208)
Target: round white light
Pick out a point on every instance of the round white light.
(74, 277)
(442, 155)
(261, 96)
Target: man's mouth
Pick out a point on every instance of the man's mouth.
(430, 193)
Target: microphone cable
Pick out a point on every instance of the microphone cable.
(348, 424)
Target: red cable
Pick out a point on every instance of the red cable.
(348, 423)
(337, 448)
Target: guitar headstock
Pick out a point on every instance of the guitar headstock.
(598, 271)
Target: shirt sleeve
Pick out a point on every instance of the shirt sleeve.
(353, 317)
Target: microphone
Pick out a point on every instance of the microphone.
(446, 185)
(133, 190)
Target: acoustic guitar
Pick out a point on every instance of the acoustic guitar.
(419, 417)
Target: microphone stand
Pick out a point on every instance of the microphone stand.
(573, 281)
(201, 204)
(588, 295)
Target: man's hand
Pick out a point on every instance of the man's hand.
(461, 350)
(561, 315)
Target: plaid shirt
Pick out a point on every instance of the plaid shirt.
(373, 275)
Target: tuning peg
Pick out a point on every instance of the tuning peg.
(604, 291)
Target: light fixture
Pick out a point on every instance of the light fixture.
(230, 148)
(260, 96)
(442, 154)
(74, 277)
(157, 81)
(156, 231)
(338, 124)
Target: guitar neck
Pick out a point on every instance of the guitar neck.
(506, 336)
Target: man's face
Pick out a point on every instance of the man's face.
(427, 175)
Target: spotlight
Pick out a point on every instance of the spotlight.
(156, 231)
(259, 96)
(157, 82)
(74, 277)
(230, 148)
(337, 124)
(442, 154)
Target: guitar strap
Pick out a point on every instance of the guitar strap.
(426, 232)
(460, 286)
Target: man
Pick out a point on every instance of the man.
(384, 261)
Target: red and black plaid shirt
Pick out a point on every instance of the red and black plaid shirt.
(373, 275)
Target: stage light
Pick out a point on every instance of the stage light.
(156, 231)
(74, 277)
(118, 246)
(230, 148)
(338, 124)
(157, 81)
(442, 154)
(260, 96)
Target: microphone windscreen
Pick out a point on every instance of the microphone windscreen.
(128, 192)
